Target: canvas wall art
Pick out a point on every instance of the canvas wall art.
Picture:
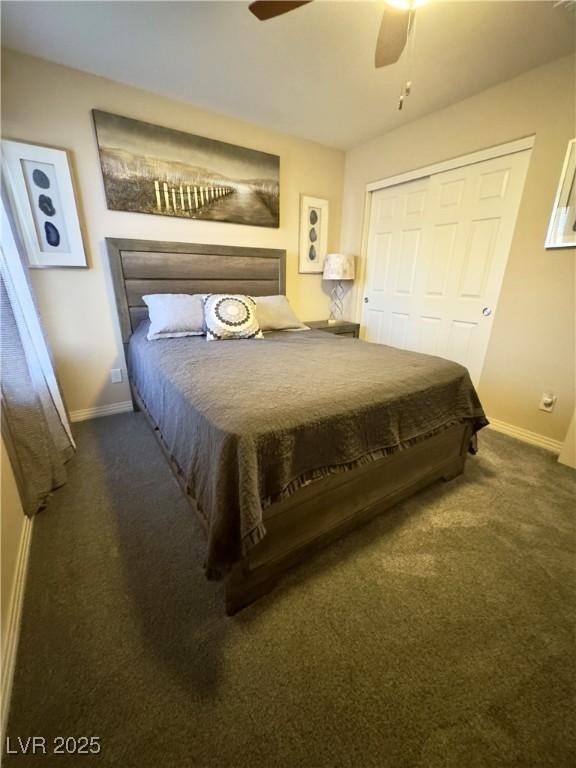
(42, 196)
(562, 227)
(150, 169)
(313, 234)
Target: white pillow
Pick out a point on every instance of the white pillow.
(275, 314)
(173, 315)
(230, 316)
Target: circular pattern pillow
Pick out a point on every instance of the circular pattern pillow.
(230, 316)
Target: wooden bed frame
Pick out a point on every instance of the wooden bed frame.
(320, 511)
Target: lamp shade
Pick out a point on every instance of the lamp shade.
(338, 266)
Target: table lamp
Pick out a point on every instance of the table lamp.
(337, 267)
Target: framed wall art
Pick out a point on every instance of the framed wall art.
(151, 169)
(40, 187)
(562, 227)
(313, 234)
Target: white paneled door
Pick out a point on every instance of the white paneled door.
(437, 252)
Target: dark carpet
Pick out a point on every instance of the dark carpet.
(440, 635)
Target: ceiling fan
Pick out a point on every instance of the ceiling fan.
(395, 26)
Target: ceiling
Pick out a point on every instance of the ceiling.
(310, 73)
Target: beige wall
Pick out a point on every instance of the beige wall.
(11, 531)
(50, 104)
(532, 343)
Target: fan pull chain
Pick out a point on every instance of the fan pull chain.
(407, 87)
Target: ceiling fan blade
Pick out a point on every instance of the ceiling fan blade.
(391, 37)
(267, 9)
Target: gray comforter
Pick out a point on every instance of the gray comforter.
(250, 422)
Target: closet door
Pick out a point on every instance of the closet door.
(437, 253)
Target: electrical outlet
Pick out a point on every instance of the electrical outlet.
(547, 402)
(116, 375)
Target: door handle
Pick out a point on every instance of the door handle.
(365, 299)
(486, 311)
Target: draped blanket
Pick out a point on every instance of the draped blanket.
(250, 422)
(35, 424)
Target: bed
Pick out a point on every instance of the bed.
(285, 443)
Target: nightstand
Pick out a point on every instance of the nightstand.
(340, 328)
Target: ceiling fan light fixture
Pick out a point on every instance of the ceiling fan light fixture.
(406, 5)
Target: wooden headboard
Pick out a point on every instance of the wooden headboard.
(139, 267)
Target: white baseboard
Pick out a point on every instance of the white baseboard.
(101, 410)
(526, 436)
(13, 621)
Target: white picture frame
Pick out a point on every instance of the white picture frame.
(313, 243)
(562, 227)
(42, 196)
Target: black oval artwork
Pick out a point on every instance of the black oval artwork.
(313, 235)
(40, 179)
(52, 234)
(46, 206)
(312, 253)
(313, 217)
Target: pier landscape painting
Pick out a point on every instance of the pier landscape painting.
(150, 169)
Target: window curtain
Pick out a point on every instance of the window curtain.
(35, 424)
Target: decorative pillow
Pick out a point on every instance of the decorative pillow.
(174, 314)
(275, 314)
(230, 316)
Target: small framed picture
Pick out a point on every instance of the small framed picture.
(41, 191)
(313, 234)
(562, 227)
